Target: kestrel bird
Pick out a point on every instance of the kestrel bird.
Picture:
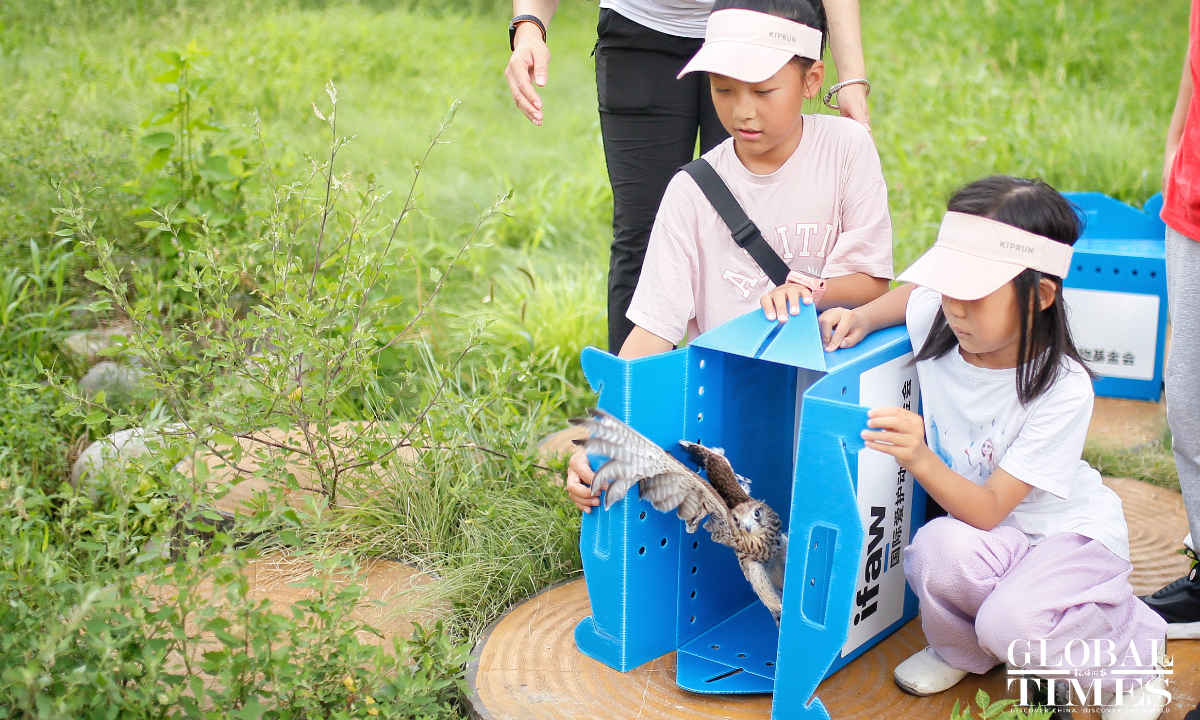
(735, 519)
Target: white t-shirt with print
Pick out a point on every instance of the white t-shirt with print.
(681, 18)
(824, 211)
(975, 423)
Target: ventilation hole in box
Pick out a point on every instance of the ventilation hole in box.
(741, 654)
(715, 647)
(664, 542)
(699, 417)
(693, 619)
(1097, 268)
(1079, 267)
(769, 663)
(693, 594)
(694, 569)
(812, 581)
(1134, 271)
(724, 675)
(1153, 274)
(701, 390)
(642, 516)
(701, 364)
(642, 550)
(1116, 271)
(814, 544)
(695, 544)
(843, 391)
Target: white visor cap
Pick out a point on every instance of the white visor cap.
(752, 46)
(974, 256)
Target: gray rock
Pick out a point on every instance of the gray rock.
(86, 346)
(117, 449)
(117, 381)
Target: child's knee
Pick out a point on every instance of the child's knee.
(946, 553)
(941, 544)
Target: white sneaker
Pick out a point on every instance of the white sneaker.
(1141, 704)
(926, 674)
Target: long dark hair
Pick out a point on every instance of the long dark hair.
(805, 12)
(1035, 207)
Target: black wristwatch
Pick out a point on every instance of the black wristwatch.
(512, 29)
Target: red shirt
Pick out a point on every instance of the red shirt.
(1182, 208)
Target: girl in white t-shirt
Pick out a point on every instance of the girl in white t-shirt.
(811, 183)
(1031, 565)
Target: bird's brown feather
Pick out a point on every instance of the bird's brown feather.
(720, 473)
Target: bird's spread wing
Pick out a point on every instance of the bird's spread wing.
(664, 481)
(720, 473)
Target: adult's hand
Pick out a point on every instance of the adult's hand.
(845, 43)
(852, 103)
(528, 66)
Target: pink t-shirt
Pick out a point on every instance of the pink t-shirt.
(824, 211)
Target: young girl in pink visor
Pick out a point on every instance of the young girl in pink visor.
(1032, 563)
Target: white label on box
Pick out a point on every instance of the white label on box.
(1116, 332)
(884, 506)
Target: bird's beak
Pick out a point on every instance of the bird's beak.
(748, 525)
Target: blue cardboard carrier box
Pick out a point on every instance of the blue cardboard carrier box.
(1116, 295)
(788, 416)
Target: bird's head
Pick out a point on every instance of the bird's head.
(757, 518)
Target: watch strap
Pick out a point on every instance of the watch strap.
(516, 21)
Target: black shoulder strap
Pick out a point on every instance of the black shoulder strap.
(745, 233)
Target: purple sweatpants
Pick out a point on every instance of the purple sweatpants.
(984, 592)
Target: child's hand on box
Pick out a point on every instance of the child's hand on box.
(842, 328)
(901, 434)
(785, 300)
(579, 479)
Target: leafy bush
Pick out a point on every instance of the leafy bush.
(284, 319)
(181, 639)
(32, 442)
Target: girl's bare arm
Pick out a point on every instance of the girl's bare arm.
(901, 434)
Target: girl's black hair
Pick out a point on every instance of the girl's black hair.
(805, 12)
(1035, 207)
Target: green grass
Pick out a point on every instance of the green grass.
(1150, 462)
(1077, 93)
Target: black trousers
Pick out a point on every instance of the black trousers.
(649, 121)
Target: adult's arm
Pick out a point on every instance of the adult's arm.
(845, 42)
(1179, 117)
(531, 57)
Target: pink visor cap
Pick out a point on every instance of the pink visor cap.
(974, 256)
(752, 46)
